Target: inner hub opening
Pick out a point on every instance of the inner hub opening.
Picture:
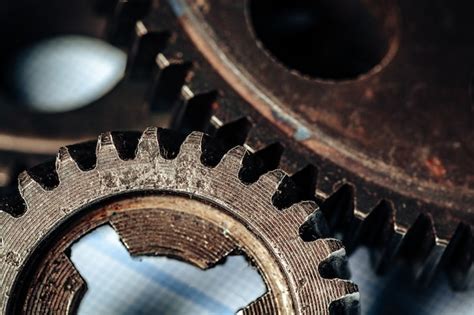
(324, 39)
(118, 283)
(166, 251)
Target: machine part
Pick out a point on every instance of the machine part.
(386, 147)
(403, 187)
(160, 194)
(132, 104)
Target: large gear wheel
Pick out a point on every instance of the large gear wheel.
(161, 195)
(404, 187)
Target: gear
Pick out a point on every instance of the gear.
(140, 99)
(415, 206)
(410, 206)
(162, 197)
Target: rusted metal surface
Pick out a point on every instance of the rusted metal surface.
(399, 135)
(414, 109)
(205, 214)
(391, 142)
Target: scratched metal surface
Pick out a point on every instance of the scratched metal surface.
(379, 295)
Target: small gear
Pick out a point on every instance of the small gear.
(162, 195)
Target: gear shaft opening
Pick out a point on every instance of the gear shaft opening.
(329, 40)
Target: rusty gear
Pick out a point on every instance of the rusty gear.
(144, 187)
(422, 214)
(404, 186)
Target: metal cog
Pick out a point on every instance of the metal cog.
(428, 227)
(399, 220)
(149, 187)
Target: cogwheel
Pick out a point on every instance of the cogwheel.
(141, 98)
(403, 186)
(159, 193)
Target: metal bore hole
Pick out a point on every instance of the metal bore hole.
(120, 284)
(325, 39)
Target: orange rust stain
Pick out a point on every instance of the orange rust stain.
(435, 167)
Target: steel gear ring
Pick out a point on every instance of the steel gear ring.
(161, 198)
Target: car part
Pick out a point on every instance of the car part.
(166, 196)
(403, 185)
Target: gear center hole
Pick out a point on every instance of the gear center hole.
(329, 40)
(120, 284)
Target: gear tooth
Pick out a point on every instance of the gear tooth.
(195, 112)
(232, 160)
(106, 149)
(376, 229)
(307, 206)
(339, 207)
(222, 140)
(430, 266)
(192, 145)
(419, 240)
(306, 181)
(122, 22)
(458, 257)
(334, 244)
(271, 180)
(260, 162)
(293, 190)
(65, 164)
(335, 269)
(169, 83)
(146, 45)
(315, 226)
(335, 265)
(29, 188)
(348, 304)
(148, 147)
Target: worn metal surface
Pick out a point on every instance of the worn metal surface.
(392, 143)
(205, 214)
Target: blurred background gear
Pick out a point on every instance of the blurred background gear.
(161, 195)
(102, 43)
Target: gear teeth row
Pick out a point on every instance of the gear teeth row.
(186, 82)
(171, 77)
(376, 230)
(49, 184)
